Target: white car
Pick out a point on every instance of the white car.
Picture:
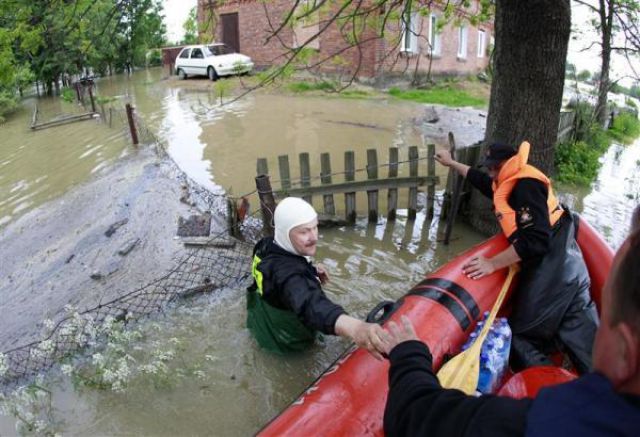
(212, 60)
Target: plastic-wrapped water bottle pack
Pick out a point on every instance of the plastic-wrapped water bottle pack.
(494, 355)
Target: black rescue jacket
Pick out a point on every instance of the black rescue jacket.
(286, 304)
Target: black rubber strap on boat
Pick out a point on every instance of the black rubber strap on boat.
(454, 307)
(465, 297)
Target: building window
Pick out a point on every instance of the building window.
(482, 41)
(410, 32)
(462, 42)
(434, 36)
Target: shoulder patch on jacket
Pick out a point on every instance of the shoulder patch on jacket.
(524, 217)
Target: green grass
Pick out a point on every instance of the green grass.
(355, 94)
(625, 129)
(303, 87)
(328, 86)
(445, 95)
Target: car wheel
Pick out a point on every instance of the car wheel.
(181, 74)
(211, 72)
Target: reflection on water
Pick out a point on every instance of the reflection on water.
(609, 202)
(278, 125)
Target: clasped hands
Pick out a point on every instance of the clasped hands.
(380, 341)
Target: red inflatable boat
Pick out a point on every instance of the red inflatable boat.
(349, 397)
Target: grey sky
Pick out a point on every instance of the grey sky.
(175, 14)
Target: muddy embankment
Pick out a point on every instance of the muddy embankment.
(102, 239)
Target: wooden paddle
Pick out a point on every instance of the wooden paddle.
(463, 370)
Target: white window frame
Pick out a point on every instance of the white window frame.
(462, 42)
(434, 36)
(409, 42)
(482, 43)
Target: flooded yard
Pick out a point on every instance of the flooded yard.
(218, 382)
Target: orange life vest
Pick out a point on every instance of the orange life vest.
(514, 169)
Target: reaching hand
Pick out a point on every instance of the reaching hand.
(363, 334)
(394, 335)
(367, 336)
(444, 158)
(322, 273)
(478, 267)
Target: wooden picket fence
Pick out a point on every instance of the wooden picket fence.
(345, 183)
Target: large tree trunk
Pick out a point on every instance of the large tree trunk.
(526, 93)
(606, 23)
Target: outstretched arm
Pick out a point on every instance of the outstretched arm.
(418, 405)
(444, 158)
(363, 334)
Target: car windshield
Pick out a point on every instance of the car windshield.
(220, 49)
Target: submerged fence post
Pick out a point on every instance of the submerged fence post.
(132, 126)
(456, 182)
(267, 203)
(93, 103)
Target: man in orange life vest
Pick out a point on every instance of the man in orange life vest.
(552, 307)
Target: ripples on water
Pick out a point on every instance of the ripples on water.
(37, 166)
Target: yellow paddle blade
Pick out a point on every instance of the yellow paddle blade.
(463, 370)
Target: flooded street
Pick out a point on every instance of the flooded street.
(610, 201)
(37, 166)
(221, 383)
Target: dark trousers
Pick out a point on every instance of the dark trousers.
(574, 336)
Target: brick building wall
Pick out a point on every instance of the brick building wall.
(375, 56)
(253, 27)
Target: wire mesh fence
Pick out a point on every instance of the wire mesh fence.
(220, 261)
(223, 262)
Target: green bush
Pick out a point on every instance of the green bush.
(577, 163)
(154, 58)
(68, 95)
(8, 104)
(626, 127)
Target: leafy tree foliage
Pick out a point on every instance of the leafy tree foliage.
(614, 18)
(50, 41)
(190, 27)
(584, 75)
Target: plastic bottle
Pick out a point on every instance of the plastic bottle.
(470, 340)
(488, 369)
(484, 378)
(504, 346)
(494, 355)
